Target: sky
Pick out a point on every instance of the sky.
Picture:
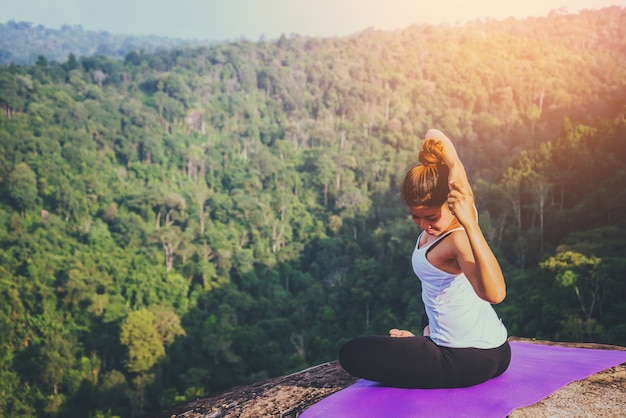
(253, 19)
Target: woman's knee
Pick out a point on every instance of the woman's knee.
(362, 354)
(348, 355)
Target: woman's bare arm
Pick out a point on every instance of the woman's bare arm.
(475, 257)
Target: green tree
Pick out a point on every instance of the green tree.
(141, 339)
(22, 187)
(582, 274)
(56, 360)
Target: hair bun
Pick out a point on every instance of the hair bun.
(431, 153)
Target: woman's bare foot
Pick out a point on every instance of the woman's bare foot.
(394, 332)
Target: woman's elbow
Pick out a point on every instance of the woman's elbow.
(496, 296)
(492, 294)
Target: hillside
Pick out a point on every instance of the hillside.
(184, 221)
(23, 43)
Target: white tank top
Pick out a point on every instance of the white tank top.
(457, 316)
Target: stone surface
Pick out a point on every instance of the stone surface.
(601, 395)
(285, 396)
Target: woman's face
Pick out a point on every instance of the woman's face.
(433, 220)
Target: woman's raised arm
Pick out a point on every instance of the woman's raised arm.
(451, 159)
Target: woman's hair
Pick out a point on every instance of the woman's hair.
(427, 184)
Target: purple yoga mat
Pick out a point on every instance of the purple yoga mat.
(535, 372)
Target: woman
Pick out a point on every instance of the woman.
(464, 342)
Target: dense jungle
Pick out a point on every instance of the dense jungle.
(177, 222)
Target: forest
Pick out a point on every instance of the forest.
(23, 43)
(178, 222)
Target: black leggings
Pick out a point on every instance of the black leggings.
(417, 362)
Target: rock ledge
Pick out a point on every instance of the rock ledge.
(600, 395)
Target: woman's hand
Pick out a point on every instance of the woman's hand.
(461, 204)
(394, 332)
